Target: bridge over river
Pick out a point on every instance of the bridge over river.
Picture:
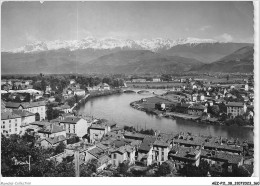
(140, 91)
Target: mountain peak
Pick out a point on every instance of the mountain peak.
(91, 42)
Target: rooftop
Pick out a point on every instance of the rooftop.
(71, 119)
(55, 139)
(9, 115)
(123, 149)
(147, 144)
(23, 113)
(52, 128)
(40, 123)
(235, 104)
(221, 156)
(186, 153)
(25, 104)
(96, 152)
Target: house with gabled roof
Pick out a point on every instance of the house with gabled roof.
(196, 109)
(123, 153)
(185, 155)
(145, 151)
(236, 108)
(26, 118)
(51, 130)
(161, 149)
(10, 123)
(53, 141)
(75, 125)
(38, 108)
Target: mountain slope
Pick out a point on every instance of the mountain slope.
(205, 52)
(241, 60)
(139, 61)
(70, 56)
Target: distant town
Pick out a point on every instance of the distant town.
(44, 134)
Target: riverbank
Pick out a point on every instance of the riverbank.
(149, 107)
(94, 94)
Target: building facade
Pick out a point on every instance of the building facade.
(75, 125)
(235, 108)
(10, 123)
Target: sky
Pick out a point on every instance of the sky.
(27, 22)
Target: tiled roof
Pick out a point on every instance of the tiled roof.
(185, 153)
(40, 123)
(12, 105)
(235, 104)
(161, 143)
(56, 139)
(134, 135)
(147, 143)
(98, 126)
(96, 152)
(101, 146)
(103, 159)
(70, 119)
(51, 129)
(123, 149)
(9, 115)
(221, 156)
(119, 143)
(23, 113)
(25, 104)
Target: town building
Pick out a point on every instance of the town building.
(75, 125)
(197, 110)
(38, 108)
(51, 131)
(79, 92)
(160, 151)
(64, 108)
(145, 151)
(97, 131)
(26, 118)
(53, 141)
(224, 161)
(160, 106)
(10, 123)
(235, 108)
(156, 79)
(186, 155)
(123, 153)
(99, 152)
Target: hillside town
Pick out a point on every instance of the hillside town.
(47, 115)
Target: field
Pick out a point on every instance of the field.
(150, 102)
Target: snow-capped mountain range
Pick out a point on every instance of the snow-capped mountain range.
(107, 43)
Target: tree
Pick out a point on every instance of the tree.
(214, 110)
(60, 148)
(222, 108)
(58, 98)
(43, 85)
(165, 168)
(89, 168)
(51, 113)
(227, 77)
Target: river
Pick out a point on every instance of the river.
(116, 108)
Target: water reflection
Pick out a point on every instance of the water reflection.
(117, 108)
